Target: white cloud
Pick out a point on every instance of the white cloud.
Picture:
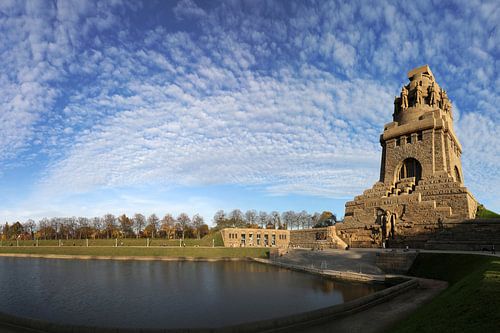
(189, 9)
(288, 97)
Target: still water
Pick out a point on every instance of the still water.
(156, 294)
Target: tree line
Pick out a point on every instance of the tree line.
(109, 226)
(273, 220)
(168, 227)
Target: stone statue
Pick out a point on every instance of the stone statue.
(443, 98)
(432, 95)
(418, 94)
(404, 98)
(440, 223)
(393, 226)
(447, 105)
(387, 227)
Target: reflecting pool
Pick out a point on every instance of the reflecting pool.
(162, 294)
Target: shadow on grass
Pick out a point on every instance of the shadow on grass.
(470, 304)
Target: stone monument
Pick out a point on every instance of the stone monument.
(421, 185)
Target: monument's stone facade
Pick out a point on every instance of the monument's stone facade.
(421, 185)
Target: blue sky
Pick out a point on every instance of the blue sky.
(195, 106)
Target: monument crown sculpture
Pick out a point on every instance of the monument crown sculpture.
(421, 180)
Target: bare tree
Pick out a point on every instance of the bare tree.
(153, 223)
(184, 221)
(139, 222)
(288, 218)
(83, 228)
(198, 222)
(110, 225)
(236, 218)
(220, 220)
(262, 219)
(98, 226)
(55, 224)
(315, 218)
(251, 217)
(276, 219)
(304, 219)
(168, 225)
(29, 227)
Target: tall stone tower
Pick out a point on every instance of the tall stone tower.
(421, 182)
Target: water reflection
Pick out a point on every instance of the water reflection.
(162, 294)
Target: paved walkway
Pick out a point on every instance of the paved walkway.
(382, 316)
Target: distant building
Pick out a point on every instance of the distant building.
(253, 237)
(307, 238)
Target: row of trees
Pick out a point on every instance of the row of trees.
(169, 227)
(272, 220)
(109, 226)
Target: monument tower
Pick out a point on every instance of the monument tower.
(421, 181)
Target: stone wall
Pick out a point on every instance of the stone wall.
(395, 262)
(468, 235)
(316, 238)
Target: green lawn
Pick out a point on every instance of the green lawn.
(470, 304)
(197, 252)
(209, 240)
(484, 213)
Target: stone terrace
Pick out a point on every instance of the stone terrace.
(331, 259)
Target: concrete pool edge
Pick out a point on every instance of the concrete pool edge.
(333, 274)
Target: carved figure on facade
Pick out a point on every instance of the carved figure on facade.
(393, 225)
(418, 94)
(404, 98)
(432, 95)
(443, 98)
(387, 225)
(447, 105)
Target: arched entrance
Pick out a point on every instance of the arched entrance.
(410, 168)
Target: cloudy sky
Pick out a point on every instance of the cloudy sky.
(195, 106)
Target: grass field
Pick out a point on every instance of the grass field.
(470, 304)
(209, 240)
(196, 252)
